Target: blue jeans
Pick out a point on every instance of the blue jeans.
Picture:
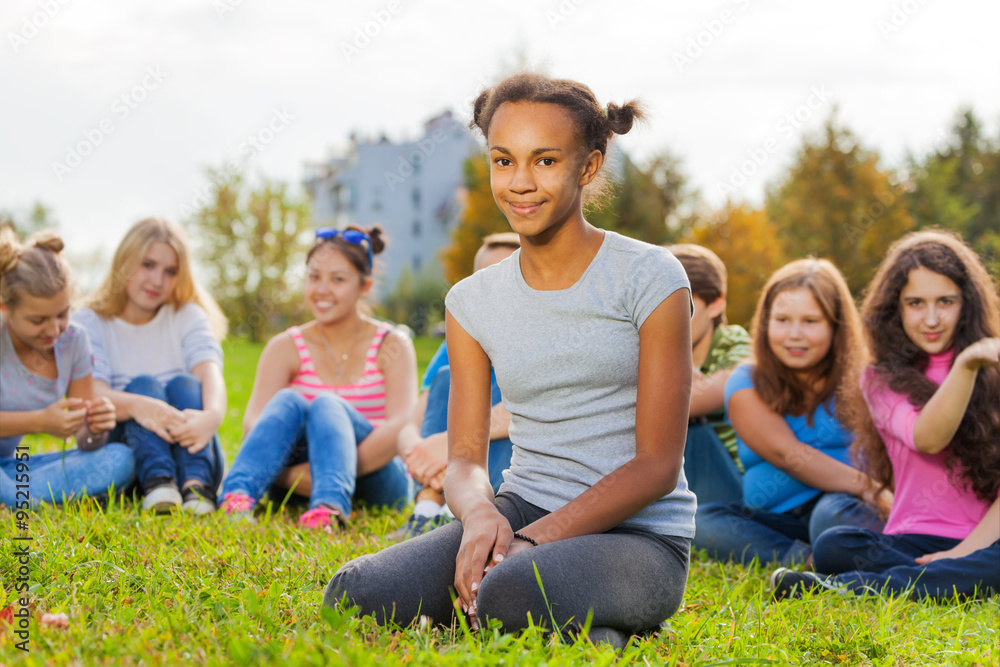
(735, 531)
(711, 473)
(325, 433)
(54, 476)
(436, 421)
(866, 560)
(154, 456)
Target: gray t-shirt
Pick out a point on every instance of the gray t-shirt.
(567, 363)
(22, 390)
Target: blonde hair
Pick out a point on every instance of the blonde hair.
(110, 298)
(37, 268)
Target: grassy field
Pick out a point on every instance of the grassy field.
(141, 590)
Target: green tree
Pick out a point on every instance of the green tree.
(417, 301)
(647, 200)
(957, 186)
(252, 242)
(38, 217)
(746, 240)
(836, 202)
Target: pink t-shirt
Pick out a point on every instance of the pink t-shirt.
(928, 501)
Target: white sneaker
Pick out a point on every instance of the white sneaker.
(162, 496)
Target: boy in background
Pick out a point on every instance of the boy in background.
(710, 461)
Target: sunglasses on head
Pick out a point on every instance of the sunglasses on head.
(349, 235)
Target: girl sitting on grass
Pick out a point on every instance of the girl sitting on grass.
(789, 411)
(929, 427)
(330, 396)
(156, 335)
(589, 333)
(47, 384)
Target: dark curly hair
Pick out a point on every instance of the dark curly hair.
(974, 453)
(596, 124)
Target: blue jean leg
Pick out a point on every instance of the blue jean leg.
(184, 393)
(847, 548)
(711, 473)
(55, 476)
(842, 509)
(153, 457)
(333, 430)
(867, 561)
(269, 446)
(734, 531)
(436, 421)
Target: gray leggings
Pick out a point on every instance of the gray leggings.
(632, 579)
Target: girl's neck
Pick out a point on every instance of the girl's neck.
(556, 261)
(344, 329)
(137, 316)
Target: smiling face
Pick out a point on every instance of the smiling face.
(929, 306)
(538, 168)
(333, 285)
(153, 282)
(37, 321)
(798, 333)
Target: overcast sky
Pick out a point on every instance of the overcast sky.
(158, 90)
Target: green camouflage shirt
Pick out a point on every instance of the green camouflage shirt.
(730, 345)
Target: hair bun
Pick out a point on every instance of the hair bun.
(378, 239)
(47, 240)
(621, 118)
(477, 110)
(10, 249)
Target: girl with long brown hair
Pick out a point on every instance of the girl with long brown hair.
(928, 427)
(789, 411)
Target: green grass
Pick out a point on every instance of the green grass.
(140, 590)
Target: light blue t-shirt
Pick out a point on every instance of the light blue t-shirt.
(768, 488)
(21, 390)
(439, 361)
(567, 364)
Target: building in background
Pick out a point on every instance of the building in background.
(413, 190)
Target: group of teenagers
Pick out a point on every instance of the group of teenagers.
(590, 418)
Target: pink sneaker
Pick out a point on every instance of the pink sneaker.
(322, 518)
(238, 506)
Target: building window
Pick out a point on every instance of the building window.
(416, 198)
(416, 228)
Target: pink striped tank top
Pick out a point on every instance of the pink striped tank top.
(368, 395)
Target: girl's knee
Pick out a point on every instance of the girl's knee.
(146, 385)
(350, 584)
(290, 398)
(329, 402)
(184, 389)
